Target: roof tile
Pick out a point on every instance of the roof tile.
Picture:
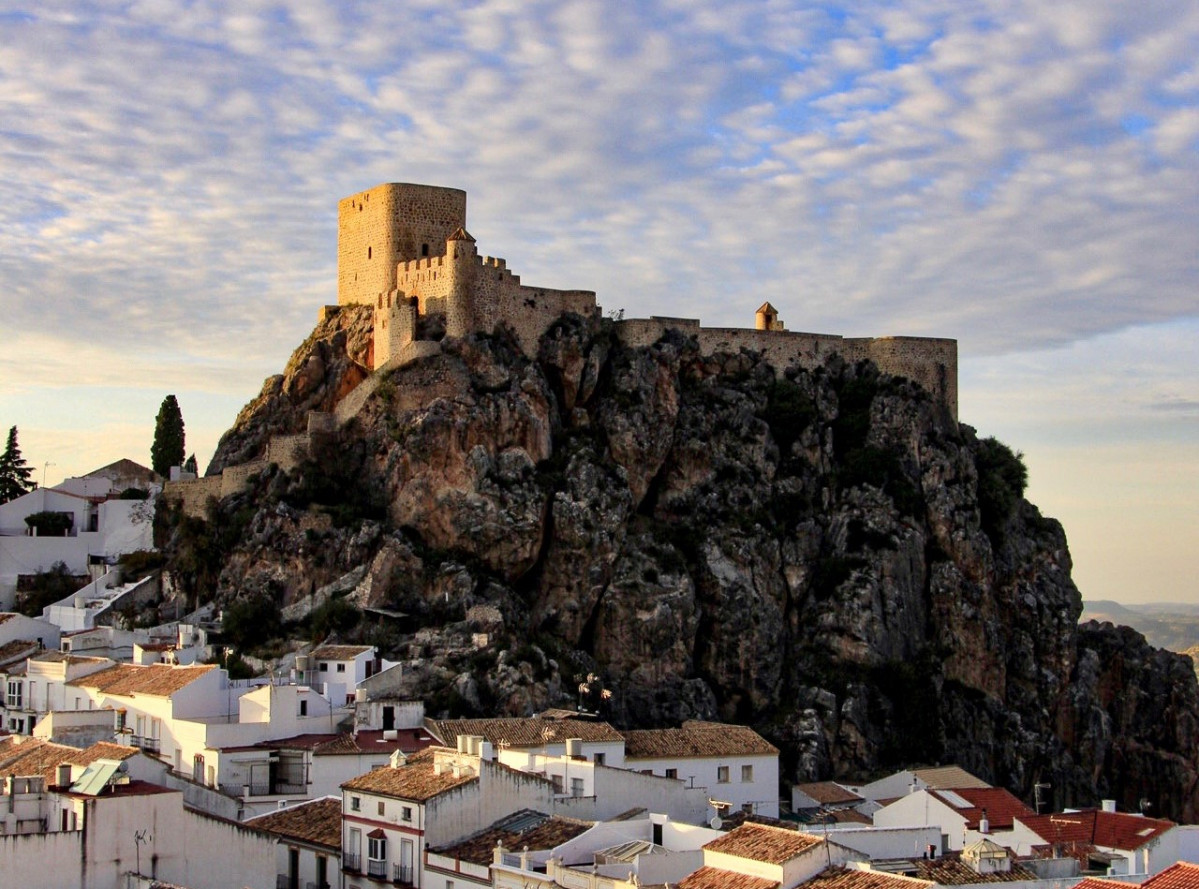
(759, 842)
(717, 878)
(696, 738)
(317, 822)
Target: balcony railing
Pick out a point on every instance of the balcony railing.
(351, 862)
(376, 868)
(402, 874)
(150, 745)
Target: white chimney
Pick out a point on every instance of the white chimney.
(984, 823)
(1109, 805)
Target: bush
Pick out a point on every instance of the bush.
(334, 616)
(45, 588)
(247, 623)
(881, 468)
(138, 564)
(1002, 478)
(134, 494)
(51, 524)
(789, 411)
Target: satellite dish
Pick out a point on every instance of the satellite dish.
(716, 823)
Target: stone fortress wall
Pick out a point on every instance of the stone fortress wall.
(404, 250)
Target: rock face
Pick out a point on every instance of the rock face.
(824, 555)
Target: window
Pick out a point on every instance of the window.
(557, 781)
(747, 774)
(672, 773)
(576, 786)
(406, 813)
(355, 804)
(381, 807)
(722, 774)
(303, 706)
(376, 849)
(341, 668)
(14, 693)
(324, 667)
(599, 759)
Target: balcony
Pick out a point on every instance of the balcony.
(401, 874)
(150, 745)
(351, 862)
(376, 868)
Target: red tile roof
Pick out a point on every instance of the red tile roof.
(1112, 830)
(847, 878)
(548, 833)
(1001, 806)
(158, 680)
(1182, 875)
(522, 732)
(696, 738)
(26, 757)
(716, 878)
(416, 780)
(759, 842)
(339, 652)
(948, 870)
(1099, 883)
(317, 822)
(828, 792)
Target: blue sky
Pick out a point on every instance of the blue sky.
(1023, 177)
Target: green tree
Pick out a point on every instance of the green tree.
(190, 465)
(14, 474)
(167, 450)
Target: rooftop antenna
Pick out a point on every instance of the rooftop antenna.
(1036, 791)
(46, 466)
(140, 837)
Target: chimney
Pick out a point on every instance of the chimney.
(1109, 805)
(62, 775)
(984, 823)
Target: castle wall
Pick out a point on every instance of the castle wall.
(382, 226)
(192, 495)
(931, 362)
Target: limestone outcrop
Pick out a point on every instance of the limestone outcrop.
(824, 554)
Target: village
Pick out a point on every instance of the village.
(131, 758)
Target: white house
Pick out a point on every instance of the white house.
(337, 670)
(908, 780)
(536, 736)
(759, 856)
(1135, 844)
(964, 816)
(102, 527)
(15, 626)
(40, 684)
(308, 837)
(739, 768)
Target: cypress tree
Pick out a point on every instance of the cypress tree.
(14, 474)
(167, 450)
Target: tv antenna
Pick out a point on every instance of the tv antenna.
(140, 837)
(1036, 792)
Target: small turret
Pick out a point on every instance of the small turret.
(462, 258)
(767, 318)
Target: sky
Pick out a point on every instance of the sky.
(1023, 177)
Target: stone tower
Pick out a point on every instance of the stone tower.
(462, 258)
(385, 225)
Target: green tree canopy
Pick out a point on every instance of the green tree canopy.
(14, 474)
(167, 450)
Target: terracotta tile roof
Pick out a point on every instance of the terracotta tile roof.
(1099, 883)
(849, 816)
(317, 822)
(159, 680)
(18, 649)
(948, 870)
(1182, 875)
(414, 781)
(339, 652)
(949, 778)
(759, 842)
(522, 732)
(847, 878)
(696, 738)
(828, 793)
(54, 656)
(1000, 805)
(1113, 830)
(546, 832)
(34, 756)
(716, 878)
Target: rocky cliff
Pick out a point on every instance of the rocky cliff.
(824, 555)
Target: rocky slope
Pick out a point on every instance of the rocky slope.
(826, 556)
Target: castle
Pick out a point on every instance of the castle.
(404, 250)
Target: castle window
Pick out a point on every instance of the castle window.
(424, 249)
(368, 252)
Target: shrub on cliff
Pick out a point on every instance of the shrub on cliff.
(1002, 478)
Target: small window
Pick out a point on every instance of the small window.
(722, 774)
(303, 706)
(355, 804)
(324, 667)
(449, 884)
(599, 759)
(406, 813)
(368, 252)
(424, 249)
(380, 807)
(672, 773)
(341, 668)
(576, 786)
(747, 774)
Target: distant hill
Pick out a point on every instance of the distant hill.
(1170, 625)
